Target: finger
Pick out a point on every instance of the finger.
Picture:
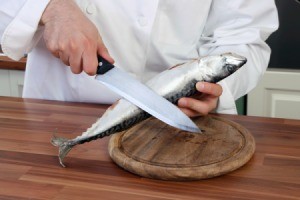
(202, 107)
(189, 112)
(89, 61)
(75, 61)
(209, 88)
(89, 58)
(76, 69)
(52, 46)
(56, 54)
(75, 52)
(64, 58)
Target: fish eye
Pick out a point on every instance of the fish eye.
(230, 68)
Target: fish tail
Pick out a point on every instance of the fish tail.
(64, 147)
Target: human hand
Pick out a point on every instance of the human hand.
(203, 102)
(72, 37)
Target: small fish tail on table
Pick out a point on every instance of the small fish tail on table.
(64, 147)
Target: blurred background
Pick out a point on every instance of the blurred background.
(278, 94)
(285, 43)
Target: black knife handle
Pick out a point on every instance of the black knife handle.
(103, 66)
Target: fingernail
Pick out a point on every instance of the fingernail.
(182, 102)
(200, 86)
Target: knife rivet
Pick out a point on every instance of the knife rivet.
(100, 64)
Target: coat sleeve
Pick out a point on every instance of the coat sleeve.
(20, 25)
(242, 27)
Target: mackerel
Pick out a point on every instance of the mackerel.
(176, 82)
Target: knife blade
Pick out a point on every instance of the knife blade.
(142, 96)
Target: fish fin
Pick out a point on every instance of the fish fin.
(64, 147)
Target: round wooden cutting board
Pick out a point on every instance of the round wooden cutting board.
(155, 150)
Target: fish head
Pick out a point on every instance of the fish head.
(216, 68)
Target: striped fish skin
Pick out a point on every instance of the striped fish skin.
(174, 83)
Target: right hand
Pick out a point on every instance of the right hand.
(72, 37)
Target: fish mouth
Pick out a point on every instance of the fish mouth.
(235, 59)
(242, 62)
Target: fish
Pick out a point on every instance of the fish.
(174, 83)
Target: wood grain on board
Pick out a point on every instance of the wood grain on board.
(153, 149)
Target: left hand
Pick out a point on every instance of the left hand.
(203, 102)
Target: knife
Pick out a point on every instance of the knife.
(142, 96)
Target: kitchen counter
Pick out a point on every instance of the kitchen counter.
(29, 167)
(7, 63)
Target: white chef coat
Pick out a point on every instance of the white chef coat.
(144, 37)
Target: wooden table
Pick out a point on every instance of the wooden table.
(29, 167)
(7, 63)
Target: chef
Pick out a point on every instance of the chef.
(63, 37)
